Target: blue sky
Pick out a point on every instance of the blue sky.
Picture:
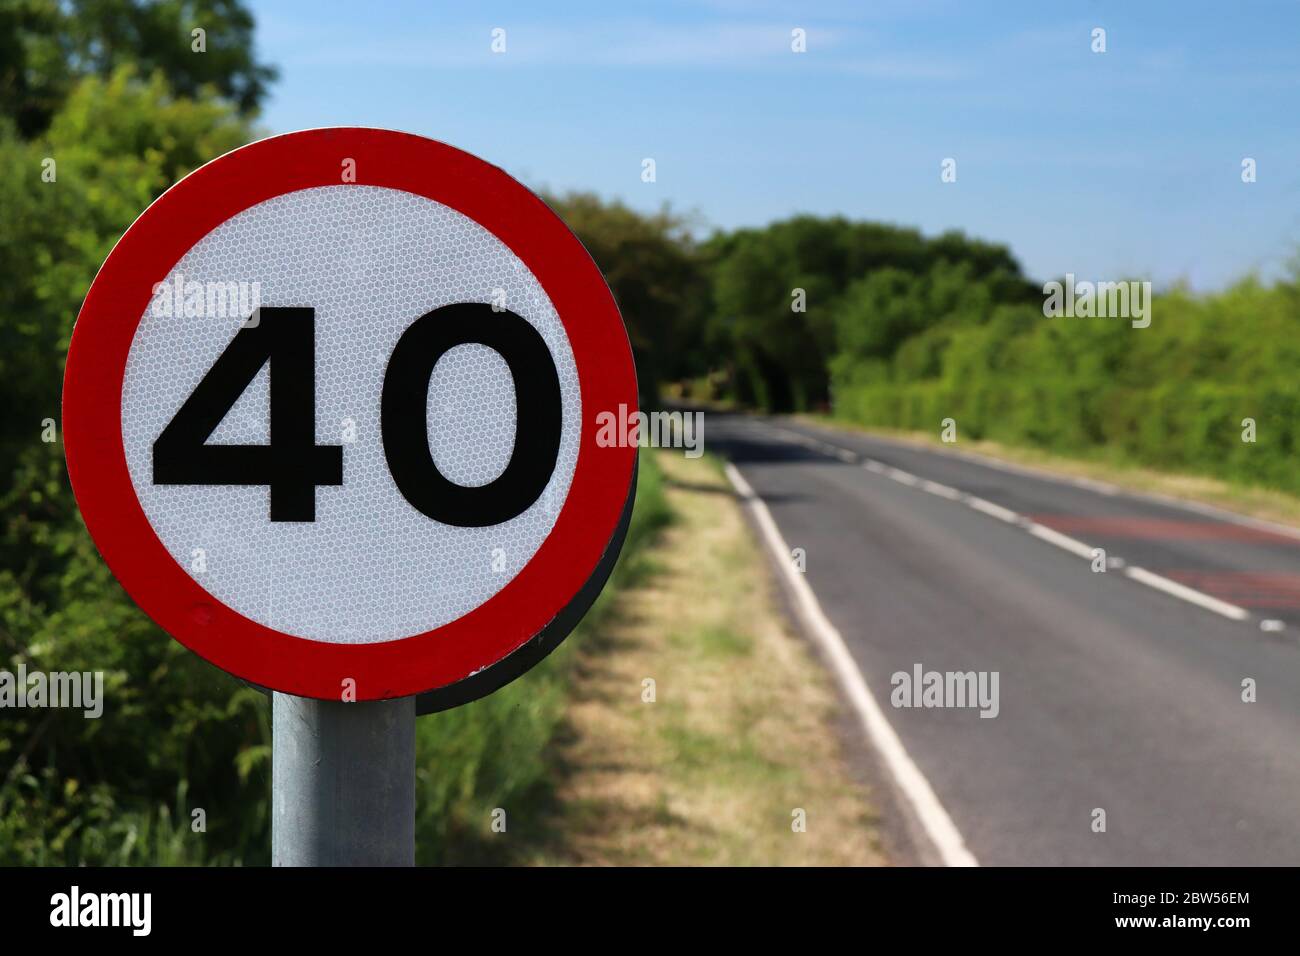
(1126, 163)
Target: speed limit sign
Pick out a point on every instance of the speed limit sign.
(329, 412)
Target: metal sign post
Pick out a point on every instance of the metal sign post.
(342, 782)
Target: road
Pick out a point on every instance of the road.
(1119, 691)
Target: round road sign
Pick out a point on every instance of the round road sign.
(329, 414)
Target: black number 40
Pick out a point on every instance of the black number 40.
(292, 465)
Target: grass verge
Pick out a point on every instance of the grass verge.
(739, 735)
(493, 755)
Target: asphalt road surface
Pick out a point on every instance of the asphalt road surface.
(1120, 691)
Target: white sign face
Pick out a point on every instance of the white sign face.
(337, 433)
(368, 260)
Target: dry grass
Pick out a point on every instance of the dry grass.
(741, 732)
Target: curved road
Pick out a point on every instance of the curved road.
(1119, 691)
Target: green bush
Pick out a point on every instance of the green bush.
(1170, 396)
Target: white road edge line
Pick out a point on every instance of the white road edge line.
(1161, 583)
(995, 511)
(911, 781)
(1073, 545)
(943, 491)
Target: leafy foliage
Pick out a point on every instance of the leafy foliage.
(1174, 395)
(779, 357)
(71, 787)
(48, 46)
(903, 331)
(656, 273)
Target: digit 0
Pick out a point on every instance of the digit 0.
(403, 415)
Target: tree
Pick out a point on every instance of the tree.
(657, 276)
(48, 46)
(781, 356)
(111, 138)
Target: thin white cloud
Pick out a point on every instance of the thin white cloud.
(902, 68)
(629, 43)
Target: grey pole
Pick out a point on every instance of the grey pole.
(342, 782)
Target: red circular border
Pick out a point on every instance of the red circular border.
(92, 402)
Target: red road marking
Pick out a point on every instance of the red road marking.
(1157, 528)
(1247, 588)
